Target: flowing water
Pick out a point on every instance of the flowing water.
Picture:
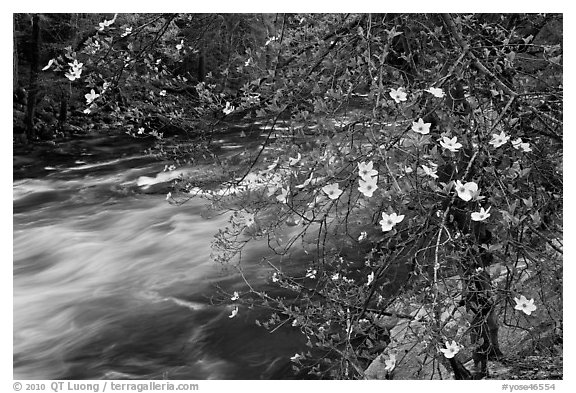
(112, 282)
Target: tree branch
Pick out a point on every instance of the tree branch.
(464, 45)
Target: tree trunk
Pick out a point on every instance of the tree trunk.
(201, 67)
(33, 87)
(14, 56)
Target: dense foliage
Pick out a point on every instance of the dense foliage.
(415, 162)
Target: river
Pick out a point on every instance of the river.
(114, 283)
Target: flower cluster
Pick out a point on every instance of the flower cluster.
(75, 70)
(368, 178)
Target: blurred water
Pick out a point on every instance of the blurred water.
(110, 282)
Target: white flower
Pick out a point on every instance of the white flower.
(103, 25)
(163, 93)
(398, 95)
(481, 215)
(141, 130)
(296, 358)
(525, 305)
(311, 273)
(294, 161)
(335, 276)
(180, 45)
(234, 313)
(271, 39)
(126, 32)
(87, 111)
(283, 195)
(524, 146)
(366, 171)
(332, 190)
(450, 143)
(228, 109)
(235, 296)
(48, 65)
(249, 219)
(75, 70)
(90, 97)
(421, 127)
(370, 278)
(73, 74)
(390, 363)
(466, 191)
(430, 171)
(248, 62)
(436, 92)
(451, 349)
(275, 277)
(368, 186)
(389, 221)
(499, 139)
(362, 236)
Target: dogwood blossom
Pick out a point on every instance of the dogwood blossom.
(466, 191)
(228, 109)
(519, 145)
(366, 171)
(235, 296)
(126, 32)
(390, 363)
(296, 357)
(311, 273)
(421, 127)
(436, 92)
(47, 66)
(332, 190)
(430, 171)
(451, 349)
(75, 70)
(370, 278)
(249, 219)
(499, 139)
(368, 186)
(90, 97)
(388, 221)
(450, 143)
(283, 195)
(234, 313)
(271, 39)
(398, 94)
(524, 305)
(481, 215)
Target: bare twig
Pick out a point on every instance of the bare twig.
(464, 45)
